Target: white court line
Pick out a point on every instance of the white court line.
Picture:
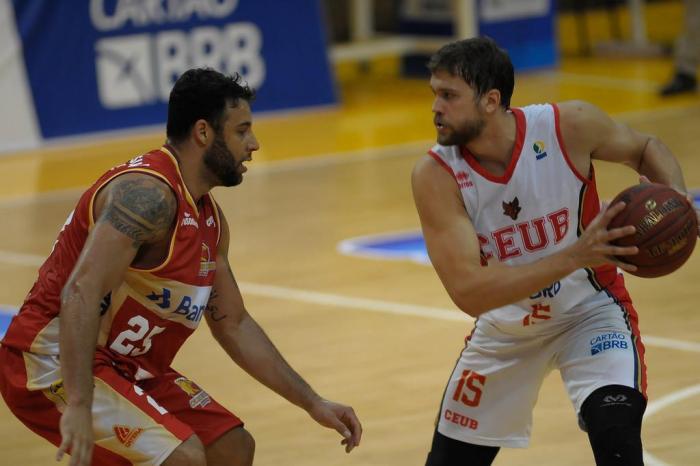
(661, 404)
(373, 305)
(670, 399)
(17, 258)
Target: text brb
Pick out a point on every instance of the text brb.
(136, 69)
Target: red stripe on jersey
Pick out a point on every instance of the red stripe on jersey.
(618, 291)
(216, 217)
(562, 146)
(444, 164)
(471, 334)
(603, 275)
(520, 127)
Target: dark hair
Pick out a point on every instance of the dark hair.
(482, 64)
(203, 93)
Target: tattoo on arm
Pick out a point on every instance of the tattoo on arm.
(213, 309)
(143, 209)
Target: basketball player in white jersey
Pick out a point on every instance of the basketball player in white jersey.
(511, 218)
(140, 262)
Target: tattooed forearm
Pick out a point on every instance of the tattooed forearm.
(214, 313)
(142, 208)
(213, 309)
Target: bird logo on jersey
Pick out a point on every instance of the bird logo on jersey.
(198, 397)
(512, 208)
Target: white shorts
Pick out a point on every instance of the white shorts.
(493, 389)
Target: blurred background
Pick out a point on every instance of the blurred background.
(325, 239)
(113, 62)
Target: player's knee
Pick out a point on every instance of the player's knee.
(235, 448)
(612, 416)
(243, 446)
(188, 453)
(450, 452)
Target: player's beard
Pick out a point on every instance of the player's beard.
(463, 135)
(222, 164)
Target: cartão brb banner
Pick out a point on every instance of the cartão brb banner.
(96, 65)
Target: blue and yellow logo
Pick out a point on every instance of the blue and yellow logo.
(538, 147)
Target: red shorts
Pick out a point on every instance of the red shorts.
(133, 423)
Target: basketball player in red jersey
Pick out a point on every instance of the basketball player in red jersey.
(512, 221)
(141, 259)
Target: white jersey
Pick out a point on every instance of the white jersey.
(539, 206)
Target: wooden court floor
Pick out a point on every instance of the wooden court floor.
(379, 335)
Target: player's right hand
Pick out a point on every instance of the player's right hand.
(340, 417)
(76, 435)
(594, 246)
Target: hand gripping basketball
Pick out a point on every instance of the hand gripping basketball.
(666, 228)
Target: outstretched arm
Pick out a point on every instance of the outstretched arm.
(454, 250)
(131, 210)
(248, 345)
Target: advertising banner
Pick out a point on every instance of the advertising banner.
(96, 65)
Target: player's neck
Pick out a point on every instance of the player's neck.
(190, 168)
(494, 146)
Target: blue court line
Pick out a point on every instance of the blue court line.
(6, 314)
(410, 245)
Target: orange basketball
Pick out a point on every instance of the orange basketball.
(667, 228)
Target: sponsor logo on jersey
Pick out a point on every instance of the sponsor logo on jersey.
(198, 397)
(548, 292)
(538, 147)
(162, 300)
(206, 265)
(127, 435)
(512, 208)
(56, 390)
(137, 162)
(463, 180)
(188, 220)
(608, 341)
(210, 221)
(105, 303)
(190, 306)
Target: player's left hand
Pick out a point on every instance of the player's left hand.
(339, 417)
(644, 179)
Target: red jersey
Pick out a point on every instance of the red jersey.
(149, 316)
